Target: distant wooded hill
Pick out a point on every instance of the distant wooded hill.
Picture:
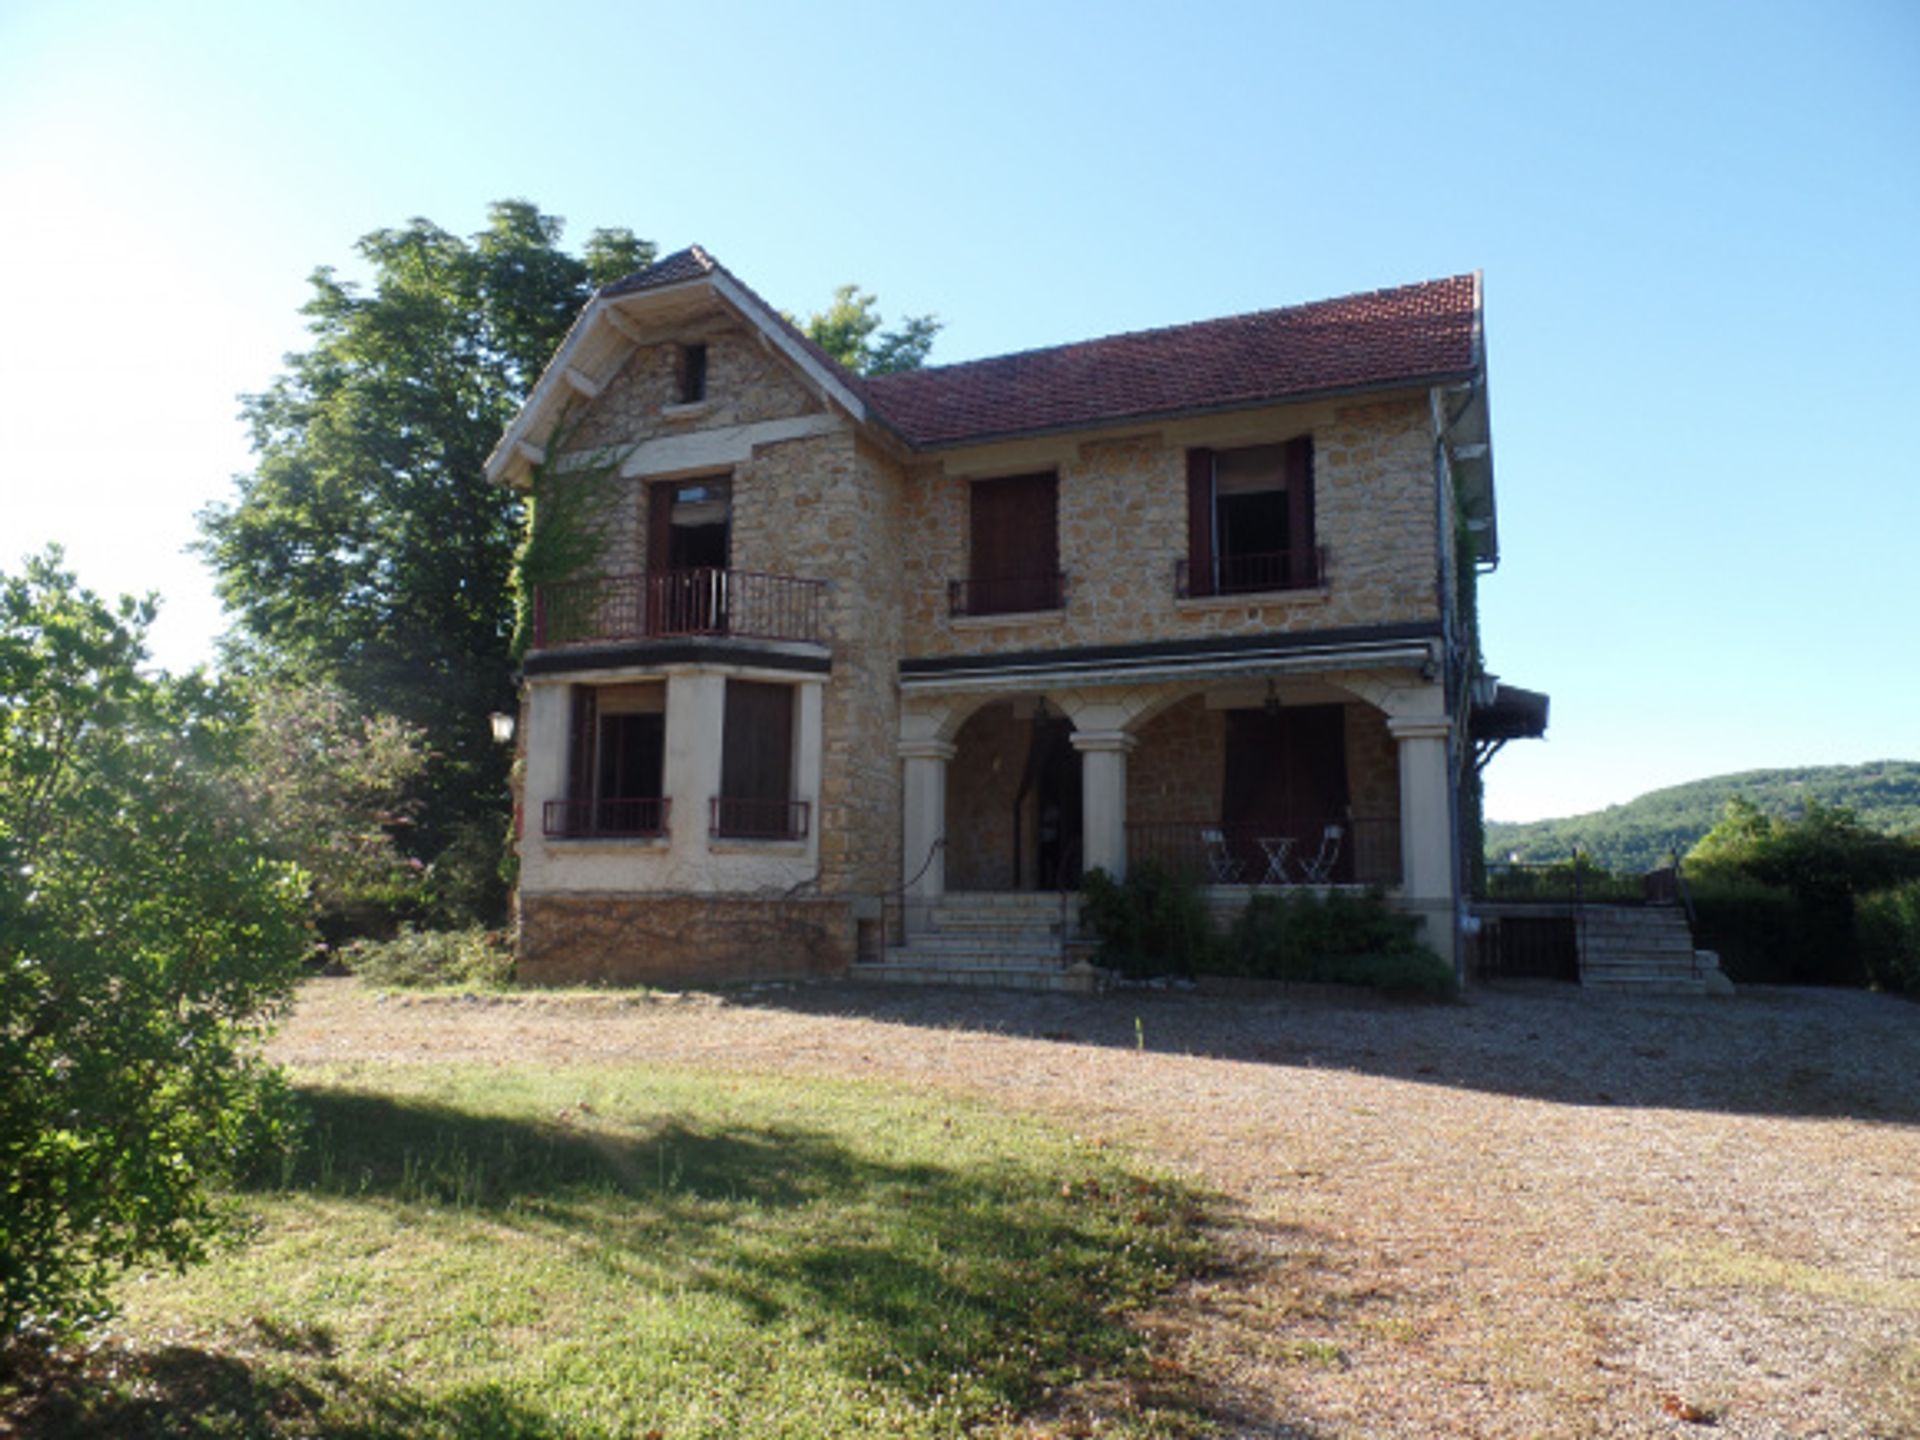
(1637, 836)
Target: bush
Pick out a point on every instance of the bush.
(1155, 922)
(1340, 938)
(1764, 934)
(1889, 937)
(476, 958)
(146, 941)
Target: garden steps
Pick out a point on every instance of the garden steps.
(1641, 949)
(995, 941)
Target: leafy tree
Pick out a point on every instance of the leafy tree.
(1825, 859)
(846, 330)
(367, 549)
(329, 788)
(145, 939)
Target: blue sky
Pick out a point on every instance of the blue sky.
(1699, 224)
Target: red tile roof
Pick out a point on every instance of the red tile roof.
(1414, 333)
(1407, 335)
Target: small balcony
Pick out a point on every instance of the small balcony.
(738, 604)
(739, 819)
(1253, 574)
(1009, 595)
(605, 819)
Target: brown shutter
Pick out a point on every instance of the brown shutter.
(1303, 557)
(1014, 543)
(1200, 522)
(756, 753)
(659, 526)
(580, 760)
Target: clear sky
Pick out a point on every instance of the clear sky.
(1699, 225)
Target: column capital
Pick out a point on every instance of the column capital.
(926, 749)
(1114, 740)
(1420, 727)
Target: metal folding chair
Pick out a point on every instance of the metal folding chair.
(1225, 866)
(1318, 869)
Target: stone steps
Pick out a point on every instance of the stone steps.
(995, 941)
(1645, 950)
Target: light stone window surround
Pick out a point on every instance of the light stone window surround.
(687, 859)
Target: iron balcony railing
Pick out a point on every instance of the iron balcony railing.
(590, 819)
(1277, 852)
(1007, 595)
(741, 603)
(732, 818)
(1253, 574)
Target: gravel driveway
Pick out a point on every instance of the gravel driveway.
(1538, 1212)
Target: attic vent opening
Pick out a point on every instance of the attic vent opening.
(693, 374)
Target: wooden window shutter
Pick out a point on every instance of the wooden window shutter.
(580, 751)
(659, 527)
(1303, 556)
(1200, 522)
(756, 753)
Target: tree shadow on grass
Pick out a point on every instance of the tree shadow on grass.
(1794, 1052)
(174, 1391)
(988, 1283)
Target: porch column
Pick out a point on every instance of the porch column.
(1426, 826)
(1103, 798)
(924, 795)
(690, 768)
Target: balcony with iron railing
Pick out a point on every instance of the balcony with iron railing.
(734, 818)
(605, 819)
(675, 604)
(1253, 574)
(1006, 595)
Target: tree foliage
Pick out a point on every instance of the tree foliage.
(367, 548)
(1825, 861)
(849, 330)
(330, 787)
(145, 938)
(1637, 836)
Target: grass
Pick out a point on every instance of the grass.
(504, 1251)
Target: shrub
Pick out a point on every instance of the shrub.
(1340, 938)
(1764, 934)
(1889, 937)
(473, 957)
(1155, 922)
(146, 942)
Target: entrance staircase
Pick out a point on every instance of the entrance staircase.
(1001, 941)
(1644, 949)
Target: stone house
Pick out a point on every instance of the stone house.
(837, 647)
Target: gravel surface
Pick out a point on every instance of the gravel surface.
(1534, 1213)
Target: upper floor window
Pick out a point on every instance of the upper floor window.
(693, 374)
(1250, 520)
(1013, 551)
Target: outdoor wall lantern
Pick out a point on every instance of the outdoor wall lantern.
(502, 724)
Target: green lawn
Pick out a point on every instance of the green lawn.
(505, 1251)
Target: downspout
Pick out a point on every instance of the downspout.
(1458, 689)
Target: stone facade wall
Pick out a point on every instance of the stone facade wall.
(829, 508)
(1373, 793)
(744, 384)
(680, 940)
(1175, 774)
(1123, 527)
(982, 779)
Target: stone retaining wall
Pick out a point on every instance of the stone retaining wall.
(680, 940)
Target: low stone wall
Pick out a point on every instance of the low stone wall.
(680, 940)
